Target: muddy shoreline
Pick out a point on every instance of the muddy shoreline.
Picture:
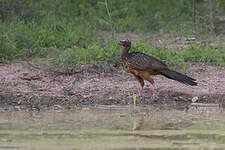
(26, 86)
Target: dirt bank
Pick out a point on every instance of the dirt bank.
(23, 84)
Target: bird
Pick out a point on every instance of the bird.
(143, 66)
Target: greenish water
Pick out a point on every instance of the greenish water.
(114, 128)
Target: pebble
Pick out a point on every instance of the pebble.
(194, 99)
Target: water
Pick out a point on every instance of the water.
(114, 128)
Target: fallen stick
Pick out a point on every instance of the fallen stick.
(204, 105)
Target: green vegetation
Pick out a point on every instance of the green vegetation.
(85, 31)
(193, 53)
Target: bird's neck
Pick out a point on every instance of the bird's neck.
(125, 51)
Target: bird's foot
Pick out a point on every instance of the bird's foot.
(154, 96)
(140, 93)
(154, 93)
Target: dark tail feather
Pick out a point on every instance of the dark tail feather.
(179, 77)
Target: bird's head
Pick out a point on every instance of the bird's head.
(125, 43)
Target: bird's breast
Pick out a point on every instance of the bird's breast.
(126, 63)
(130, 67)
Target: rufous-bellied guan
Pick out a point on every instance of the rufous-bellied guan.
(143, 66)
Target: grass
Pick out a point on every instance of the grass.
(66, 45)
(179, 56)
(68, 36)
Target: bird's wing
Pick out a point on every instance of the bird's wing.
(142, 61)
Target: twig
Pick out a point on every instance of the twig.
(53, 71)
(204, 105)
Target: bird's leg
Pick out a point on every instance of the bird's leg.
(153, 91)
(141, 81)
(149, 79)
(140, 91)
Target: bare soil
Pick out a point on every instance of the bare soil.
(24, 84)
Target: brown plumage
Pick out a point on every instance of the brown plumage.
(142, 66)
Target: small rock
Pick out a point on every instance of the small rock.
(194, 99)
(17, 107)
(57, 106)
(110, 97)
(191, 39)
(19, 94)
